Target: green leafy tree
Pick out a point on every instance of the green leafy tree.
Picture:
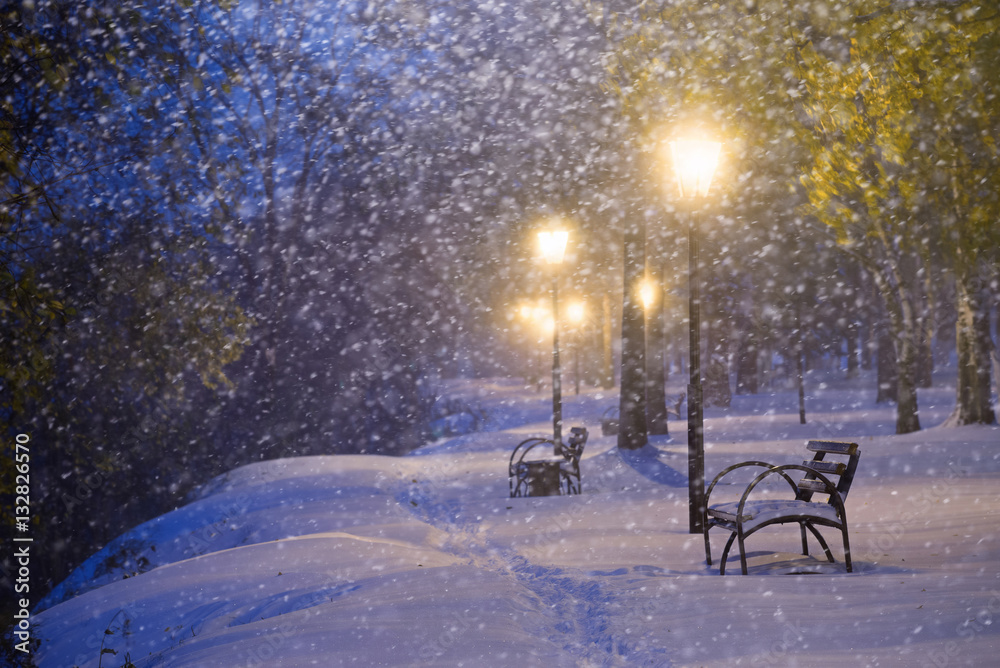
(885, 102)
(115, 330)
(859, 136)
(957, 156)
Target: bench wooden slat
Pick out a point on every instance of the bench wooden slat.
(833, 447)
(828, 468)
(816, 486)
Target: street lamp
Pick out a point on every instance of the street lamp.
(695, 161)
(552, 244)
(647, 294)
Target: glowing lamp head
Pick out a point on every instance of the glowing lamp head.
(576, 311)
(552, 244)
(695, 161)
(647, 294)
(544, 321)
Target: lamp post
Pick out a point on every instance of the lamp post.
(695, 161)
(553, 247)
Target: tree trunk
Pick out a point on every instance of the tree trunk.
(869, 344)
(632, 432)
(885, 367)
(716, 368)
(925, 360)
(897, 297)
(746, 358)
(608, 367)
(656, 398)
(973, 345)
(800, 374)
(852, 350)
(907, 414)
(871, 325)
(994, 345)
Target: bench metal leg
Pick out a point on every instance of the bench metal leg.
(725, 553)
(743, 555)
(734, 537)
(819, 537)
(847, 550)
(708, 547)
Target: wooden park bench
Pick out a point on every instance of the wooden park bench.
(557, 474)
(748, 515)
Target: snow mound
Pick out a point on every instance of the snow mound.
(425, 560)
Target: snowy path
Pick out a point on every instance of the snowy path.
(580, 608)
(424, 560)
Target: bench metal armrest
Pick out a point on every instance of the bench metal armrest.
(831, 489)
(573, 448)
(524, 447)
(734, 467)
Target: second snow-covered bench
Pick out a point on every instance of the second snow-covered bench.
(560, 474)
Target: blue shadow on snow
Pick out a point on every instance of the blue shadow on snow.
(646, 461)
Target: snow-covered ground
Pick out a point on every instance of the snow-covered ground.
(425, 560)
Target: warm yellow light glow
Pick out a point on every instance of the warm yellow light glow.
(537, 316)
(695, 161)
(647, 294)
(576, 311)
(553, 245)
(542, 318)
